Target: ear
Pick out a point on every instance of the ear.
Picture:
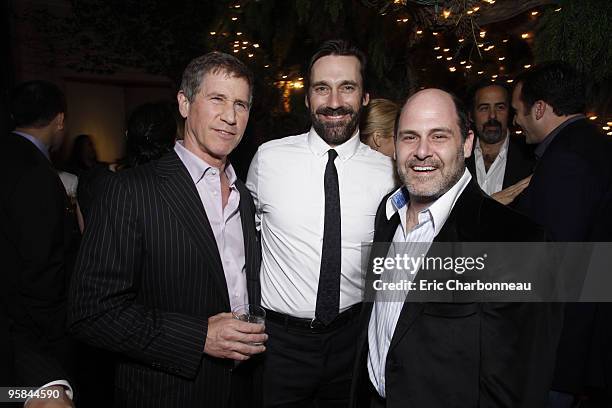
(306, 101)
(467, 145)
(366, 99)
(60, 121)
(183, 104)
(539, 109)
(376, 138)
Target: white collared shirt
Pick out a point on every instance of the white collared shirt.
(491, 181)
(386, 313)
(225, 222)
(286, 181)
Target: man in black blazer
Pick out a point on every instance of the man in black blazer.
(170, 248)
(448, 354)
(37, 244)
(570, 194)
(499, 160)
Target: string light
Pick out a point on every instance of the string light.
(593, 117)
(501, 58)
(439, 57)
(449, 58)
(446, 13)
(470, 12)
(494, 76)
(482, 34)
(534, 13)
(245, 42)
(419, 32)
(558, 10)
(267, 66)
(505, 40)
(463, 62)
(518, 132)
(213, 32)
(446, 50)
(250, 55)
(524, 36)
(234, 18)
(436, 48)
(452, 69)
(238, 33)
(527, 66)
(435, 33)
(510, 81)
(461, 40)
(480, 72)
(468, 66)
(256, 45)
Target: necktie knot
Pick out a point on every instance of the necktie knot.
(332, 154)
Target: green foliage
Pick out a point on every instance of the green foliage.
(580, 35)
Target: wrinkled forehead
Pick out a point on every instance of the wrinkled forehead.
(491, 94)
(336, 68)
(428, 111)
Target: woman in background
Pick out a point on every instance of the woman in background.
(378, 125)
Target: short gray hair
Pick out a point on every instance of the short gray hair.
(213, 63)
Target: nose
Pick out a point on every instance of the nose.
(334, 100)
(229, 114)
(492, 114)
(423, 150)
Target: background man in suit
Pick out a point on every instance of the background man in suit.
(570, 194)
(316, 196)
(499, 161)
(447, 354)
(170, 249)
(37, 243)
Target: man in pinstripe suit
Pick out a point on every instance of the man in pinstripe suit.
(170, 248)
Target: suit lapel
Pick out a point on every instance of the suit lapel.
(178, 191)
(461, 225)
(251, 243)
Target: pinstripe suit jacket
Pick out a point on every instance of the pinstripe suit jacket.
(147, 278)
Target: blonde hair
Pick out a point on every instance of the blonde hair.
(380, 116)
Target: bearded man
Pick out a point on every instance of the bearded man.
(501, 163)
(316, 196)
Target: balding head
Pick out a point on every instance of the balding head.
(432, 143)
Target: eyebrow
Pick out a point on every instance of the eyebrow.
(345, 82)
(429, 132)
(226, 97)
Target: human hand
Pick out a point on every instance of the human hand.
(508, 194)
(231, 338)
(63, 401)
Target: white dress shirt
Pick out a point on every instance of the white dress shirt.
(491, 181)
(286, 181)
(225, 222)
(385, 313)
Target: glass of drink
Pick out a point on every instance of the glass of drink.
(250, 313)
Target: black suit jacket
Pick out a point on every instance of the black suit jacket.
(465, 354)
(570, 194)
(519, 161)
(148, 276)
(37, 248)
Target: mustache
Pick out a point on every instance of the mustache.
(492, 122)
(341, 110)
(423, 163)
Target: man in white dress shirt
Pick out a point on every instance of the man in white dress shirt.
(499, 161)
(316, 196)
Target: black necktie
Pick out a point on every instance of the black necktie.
(328, 293)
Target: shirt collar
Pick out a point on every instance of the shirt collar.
(503, 151)
(44, 149)
(539, 151)
(345, 151)
(198, 167)
(439, 210)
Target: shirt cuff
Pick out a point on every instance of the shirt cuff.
(63, 383)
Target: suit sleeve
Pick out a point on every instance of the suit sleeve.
(37, 214)
(252, 185)
(105, 311)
